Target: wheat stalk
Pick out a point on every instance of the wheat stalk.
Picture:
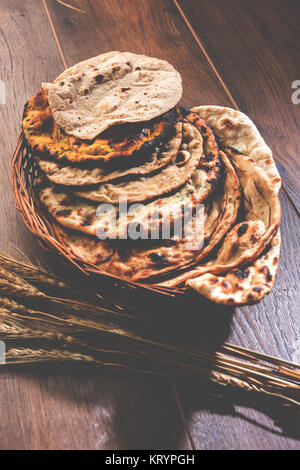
(64, 320)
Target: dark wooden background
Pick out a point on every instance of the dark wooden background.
(238, 53)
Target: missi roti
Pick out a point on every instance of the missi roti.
(124, 142)
(79, 178)
(78, 214)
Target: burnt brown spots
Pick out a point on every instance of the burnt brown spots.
(125, 89)
(228, 123)
(242, 229)
(250, 297)
(86, 91)
(203, 130)
(212, 181)
(209, 157)
(61, 83)
(206, 240)
(257, 289)
(87, 221)
(275, 260)
(63, 213)
(226, 285)
(117, 67)
(99, 78)
(214, 281)
(265, 270)
(68, 200)
(242, 273)
(158, 259)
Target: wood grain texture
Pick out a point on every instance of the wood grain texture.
(154, 28)
(221, 420)
(54, 409)
(83, 409)
(254, 45)
(150, 33)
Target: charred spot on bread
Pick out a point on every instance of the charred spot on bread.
(50, 141)
(63, 213)
(242, 229)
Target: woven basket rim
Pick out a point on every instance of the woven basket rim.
(22, 176)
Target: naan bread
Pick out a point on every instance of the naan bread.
(168, 179)
(123, 144)
(261, 219)
(245, 285)
(245, 266)
(234, 129)
(112, 88)
(80, 177)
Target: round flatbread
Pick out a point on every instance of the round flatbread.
(105, 221)
(260, 222)
(86, 248)
(168, 179)
(120, 144)
(234, 129)
(110, 89)
(80, 177)
(141, 260)
(242, 286)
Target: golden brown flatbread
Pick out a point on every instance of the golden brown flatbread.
(111, 89)
(124, 143)
(71, 176)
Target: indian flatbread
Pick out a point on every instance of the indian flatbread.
(86, 248)
(168, 179)
(80, 177)
(123, 144)
(245, 285)
(234, 129)
(248, 238)
(110, 89)
(78, 214)
(220, 213)
(141, 261)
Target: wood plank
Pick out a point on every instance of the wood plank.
(254, 45)
(63, 409)
(44, 409)
(154, 28)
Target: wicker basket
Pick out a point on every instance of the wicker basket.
(23, 174)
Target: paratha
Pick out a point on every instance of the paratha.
(143, 260)
(123, 143)
(81, 177)
(110, 89)
(220, 213)
(78, 214)
(170, 178)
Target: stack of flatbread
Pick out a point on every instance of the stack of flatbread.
(150, 191)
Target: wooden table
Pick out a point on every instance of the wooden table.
(238, 53)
